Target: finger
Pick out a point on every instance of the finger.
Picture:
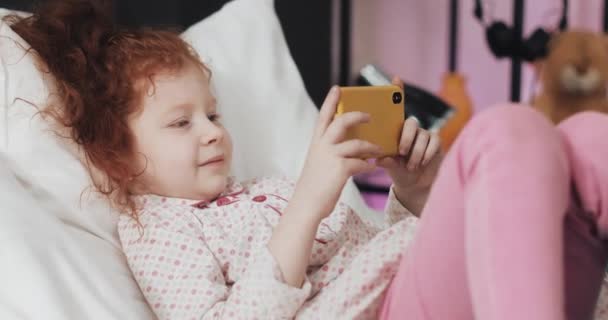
(328, 109)
(338, 127)
(408, 135)
(387, 162)
(358, 166)
(432, 149)
(422, 141)
(397, 81)
(358, 149)
(391, 163)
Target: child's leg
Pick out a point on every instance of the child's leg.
(585, 137)
(489, 244)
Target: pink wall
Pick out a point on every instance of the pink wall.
(409, 38)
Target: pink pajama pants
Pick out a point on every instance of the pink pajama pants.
(515, 225)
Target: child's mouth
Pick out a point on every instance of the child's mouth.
(214, 161)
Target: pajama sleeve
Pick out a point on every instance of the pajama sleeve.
(181, 279)
(601, 310)
(394, 210)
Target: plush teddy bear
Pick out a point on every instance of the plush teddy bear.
(574, 75)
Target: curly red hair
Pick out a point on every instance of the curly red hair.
(99, 69)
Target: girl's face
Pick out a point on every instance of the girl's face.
(181, 147)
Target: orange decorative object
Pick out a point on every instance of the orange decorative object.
(454, 93)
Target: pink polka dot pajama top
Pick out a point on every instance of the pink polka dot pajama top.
(209, 260)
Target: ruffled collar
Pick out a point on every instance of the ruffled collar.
(232, 190)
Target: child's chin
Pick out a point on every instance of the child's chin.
(215, 183)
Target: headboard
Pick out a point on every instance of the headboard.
(300, 20)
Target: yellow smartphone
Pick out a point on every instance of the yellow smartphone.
(385, 106)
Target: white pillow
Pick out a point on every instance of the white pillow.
(50, 269)
(72, 245)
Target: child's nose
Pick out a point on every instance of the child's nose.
(212, 134)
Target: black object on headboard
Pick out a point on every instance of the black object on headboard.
(306, 25)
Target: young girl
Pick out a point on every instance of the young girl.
(517, 207)
(201, 245)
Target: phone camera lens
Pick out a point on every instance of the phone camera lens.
(397, 97)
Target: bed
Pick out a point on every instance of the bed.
(60, 256)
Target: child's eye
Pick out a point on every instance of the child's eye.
(213, 117)
(181, 123)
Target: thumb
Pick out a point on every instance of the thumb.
(328, 109)
(397, 81)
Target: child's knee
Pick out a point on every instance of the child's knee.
(586, 138)
(514, 138)
(585, 126)
(512, 123)
(586, 135)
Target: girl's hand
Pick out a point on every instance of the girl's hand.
(331, 160)
(413, 170)
(416, 165)
(329, 163)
